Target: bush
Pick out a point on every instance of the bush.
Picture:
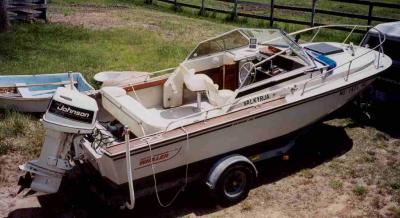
(336, 184)
(4, 147)
(359, 190)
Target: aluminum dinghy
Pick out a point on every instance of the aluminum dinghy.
(32, 93)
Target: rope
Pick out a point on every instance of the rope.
(154, 173)
(134, 92)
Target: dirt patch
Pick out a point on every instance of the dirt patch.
(98, 18)
(170, 26)
(9, 175)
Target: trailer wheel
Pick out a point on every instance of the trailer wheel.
(234, 183)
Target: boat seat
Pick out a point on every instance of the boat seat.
(194, 82)
(26, 92)
(23, 91)
(173, 87)
(130, 112)
(216, 97)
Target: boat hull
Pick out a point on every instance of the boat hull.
(230, 137)
(25, 105)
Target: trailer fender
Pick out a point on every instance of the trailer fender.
(220, 166)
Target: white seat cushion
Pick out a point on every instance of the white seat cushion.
(130, 112)
(217, 97)
(225, 93)
(194, 82)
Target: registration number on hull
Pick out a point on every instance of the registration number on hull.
(353, 89)
(256, 99)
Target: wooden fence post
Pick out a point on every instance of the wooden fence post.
(234, 11)
(271, 18)
(371, 7)
(4, 22)
(44, 11)
(202, 10)
(314, 4)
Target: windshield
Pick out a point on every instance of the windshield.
(231, 40)
(263, 35)
(241, 37)
(277, 38)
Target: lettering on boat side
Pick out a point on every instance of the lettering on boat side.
(352, 89)
(71, 112)
(256, 99)
(157, 158)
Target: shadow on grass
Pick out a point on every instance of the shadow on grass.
(383, 117)
(321, 144)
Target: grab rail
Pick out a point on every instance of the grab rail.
(350, 62)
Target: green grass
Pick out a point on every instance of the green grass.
(20, 133)
(336, 184)
(359, 190)
(40, 48)
(306, 173)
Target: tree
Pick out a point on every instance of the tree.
(4, 22)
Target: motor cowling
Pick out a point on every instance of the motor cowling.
(70, 115)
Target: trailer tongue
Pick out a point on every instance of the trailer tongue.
(69, 117)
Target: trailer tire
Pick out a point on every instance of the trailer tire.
(234, 183)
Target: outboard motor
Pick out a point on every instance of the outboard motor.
(69, 117)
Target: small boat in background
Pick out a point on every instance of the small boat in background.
(32, 93)
(385, 91)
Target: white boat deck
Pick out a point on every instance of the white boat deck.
(182, 115)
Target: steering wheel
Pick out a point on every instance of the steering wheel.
(247, 74)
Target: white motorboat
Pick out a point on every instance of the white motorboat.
(227, 105)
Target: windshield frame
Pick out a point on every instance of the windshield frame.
(292, 44)
(223, 48)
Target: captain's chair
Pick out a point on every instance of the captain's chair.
(196, 83)
(217, 97)
(201, 82)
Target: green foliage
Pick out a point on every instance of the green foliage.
(306, 173)
(20, 132)
(4, 146)
(336, 184)
(247, 206)
(40, 48)
(359, 190)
